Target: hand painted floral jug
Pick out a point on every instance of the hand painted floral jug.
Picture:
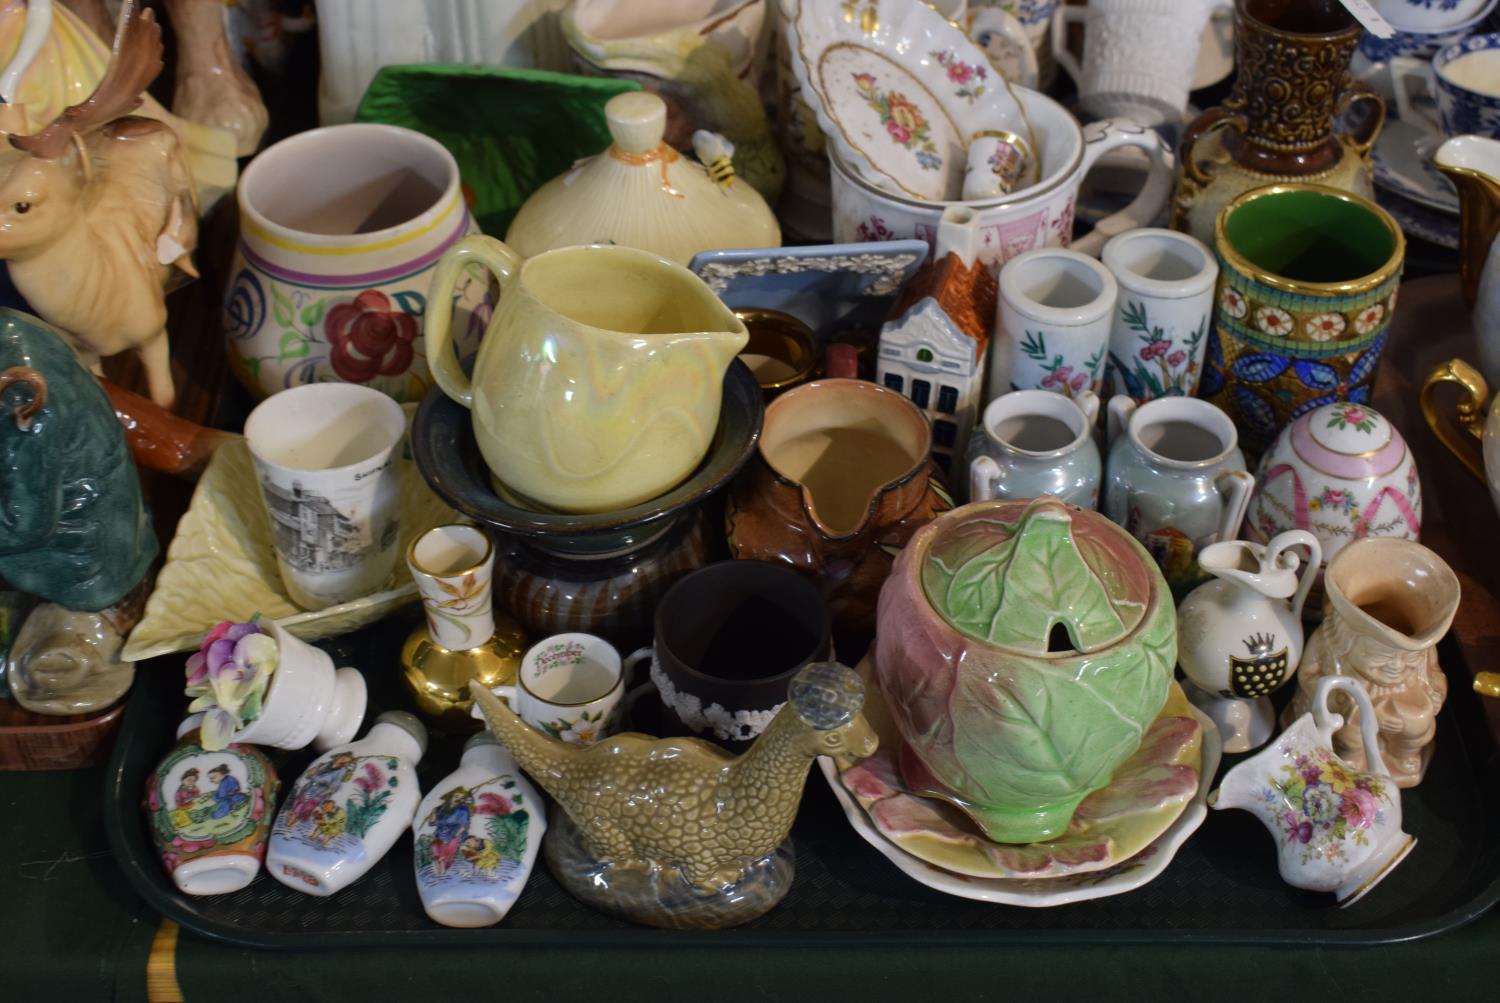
(1239, 637)
(1338, 829)
(1473, 163)
(1024, 649)
(1278, 122)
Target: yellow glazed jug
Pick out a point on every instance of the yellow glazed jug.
(598, 381)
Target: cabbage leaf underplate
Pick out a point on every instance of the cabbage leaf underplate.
(1121, 837)
(222, 562)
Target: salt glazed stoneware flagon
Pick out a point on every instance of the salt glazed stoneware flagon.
(1337, 826)
(676, 832)
(348, 808)
(1024, 650)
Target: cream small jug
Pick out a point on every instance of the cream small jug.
(1239, 637)
(598, 381)
(1337, 829)
(1176, 479)
(1033, 443)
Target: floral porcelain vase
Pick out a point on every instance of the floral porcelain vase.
(475, 837)
(1278, 123)
(210, 814)
(1024, 649)
(844, 480)
(1389, 603)
(1341, 472)
(340, 229)
(349, 807)
(1337, 827)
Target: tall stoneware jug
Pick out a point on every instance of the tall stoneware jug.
(1278, 122)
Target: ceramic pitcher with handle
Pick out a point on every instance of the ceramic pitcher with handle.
(1473, 163)
(1337, 829)
(598, 383)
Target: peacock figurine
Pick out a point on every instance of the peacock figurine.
(676, 832)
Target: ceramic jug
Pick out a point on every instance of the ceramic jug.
(1033, 443)
(1278, 122)
(1239, 637)
(1176, 479)
(1483, 462)
(598, 383)
(843, 481)
(1389, 603)
(348, 808)
(1338, 829)
(1473, 163)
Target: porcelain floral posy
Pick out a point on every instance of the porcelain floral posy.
(1338, 829)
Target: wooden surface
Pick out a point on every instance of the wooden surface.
(1458, 520)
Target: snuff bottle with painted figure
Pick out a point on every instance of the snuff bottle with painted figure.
(1239, 637)
(476, 836)
(349, 807)
(210, 813)
(1337, 828)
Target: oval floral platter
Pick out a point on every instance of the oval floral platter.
(901, 91)
(1141, 826)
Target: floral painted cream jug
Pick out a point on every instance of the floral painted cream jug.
(1338, 829)
(1239, 637)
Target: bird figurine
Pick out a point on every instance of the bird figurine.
(676, 832)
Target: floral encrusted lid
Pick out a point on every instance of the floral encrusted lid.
(1010, 582)
(1335, 436)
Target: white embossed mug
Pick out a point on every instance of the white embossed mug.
(1139, 56)
(1039, 215)
(1056, 308)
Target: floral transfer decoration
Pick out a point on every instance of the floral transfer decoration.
(1159, 368)
(1354, 417)
(1323, 806)
(586, 729)
(338, 801)
(473, 834)
(968, 77)
(902, 119)
(1060, 376)
(467, 595)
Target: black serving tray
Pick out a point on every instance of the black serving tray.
(1222, 887)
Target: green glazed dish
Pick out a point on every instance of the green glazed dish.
(510, 130)
(1024, 649)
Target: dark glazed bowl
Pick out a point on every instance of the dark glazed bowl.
(443, 445)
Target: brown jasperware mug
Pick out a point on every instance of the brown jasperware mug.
(729, 639)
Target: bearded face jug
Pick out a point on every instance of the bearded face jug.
(598, 382)
(1024, 649)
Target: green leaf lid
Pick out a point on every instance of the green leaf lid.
(1009, 575)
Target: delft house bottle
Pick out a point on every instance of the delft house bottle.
(476, 836)
(349, 807)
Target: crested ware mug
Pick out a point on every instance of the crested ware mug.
(1337, 829)
(1032, 443)
(1038, 215)
(598, 381)
(1056, 308)
(1176, 479)
(1159, 333)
